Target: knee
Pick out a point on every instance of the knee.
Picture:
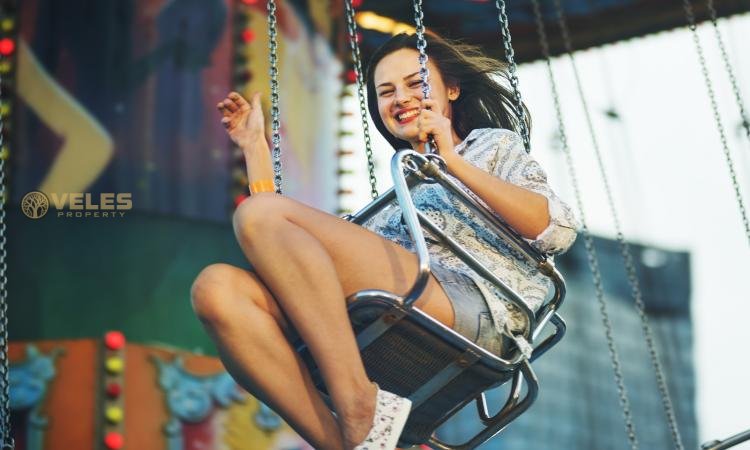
(255, 213)
(208, 292)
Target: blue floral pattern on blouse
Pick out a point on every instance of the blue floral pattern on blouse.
(501, 153)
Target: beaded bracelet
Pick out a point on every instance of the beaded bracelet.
(262, 186)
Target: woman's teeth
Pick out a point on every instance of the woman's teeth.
(407, 114)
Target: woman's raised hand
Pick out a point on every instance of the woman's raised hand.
(432, 123)
(243, 120)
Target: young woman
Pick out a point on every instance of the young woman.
(307, 262)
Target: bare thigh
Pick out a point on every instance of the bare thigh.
(362, 259)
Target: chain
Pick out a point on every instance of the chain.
(6, 438)
(274, 72)
(357, 59)
(728, 66)
(588, 240)
(624, 247)
(424, 71)
(509, 55)
(719, 126)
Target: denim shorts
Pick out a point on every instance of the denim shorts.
(473, 319)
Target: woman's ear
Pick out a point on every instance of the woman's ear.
(453, 93)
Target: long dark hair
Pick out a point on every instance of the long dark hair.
(484, 101)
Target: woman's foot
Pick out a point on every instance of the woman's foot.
(387, 413)
(356, 425)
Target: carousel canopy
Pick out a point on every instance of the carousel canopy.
(591, 22)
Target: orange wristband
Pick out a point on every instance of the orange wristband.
(262, 186)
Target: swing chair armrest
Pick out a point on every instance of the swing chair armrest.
(411, 219)
(402, 194)
(728, 442)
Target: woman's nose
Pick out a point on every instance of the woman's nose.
(401, 97)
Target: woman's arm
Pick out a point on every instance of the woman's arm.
(511, 182)
(526, 211)
(521, 196)
(245, 125)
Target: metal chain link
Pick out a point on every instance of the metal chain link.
(510, 56)
(730, 71)
(274, 72)
(588, 240)
(690, 16)
(357, 59)
(624, 246)
(6, 438)
(424, 72)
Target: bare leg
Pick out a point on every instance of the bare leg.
(310, 261)
(249, 330)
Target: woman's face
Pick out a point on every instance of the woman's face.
(399, 92)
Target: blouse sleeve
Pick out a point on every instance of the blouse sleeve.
(513, 164)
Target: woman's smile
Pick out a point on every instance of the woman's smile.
(406, 115)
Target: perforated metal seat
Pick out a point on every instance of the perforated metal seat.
(409, 353)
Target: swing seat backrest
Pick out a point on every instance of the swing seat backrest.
(409, 353)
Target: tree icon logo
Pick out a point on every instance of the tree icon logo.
(35, 204)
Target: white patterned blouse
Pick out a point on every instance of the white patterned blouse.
(501, 153)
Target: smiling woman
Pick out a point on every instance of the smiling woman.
(307, 263)
(477, 99)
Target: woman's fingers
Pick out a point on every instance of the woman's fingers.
(428, 103)
(231, 105)
(235, 109)
(224, 109)
(239, 101)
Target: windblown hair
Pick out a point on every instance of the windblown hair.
(484, 100)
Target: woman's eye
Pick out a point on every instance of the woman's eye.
(384, 93)
(417, 83)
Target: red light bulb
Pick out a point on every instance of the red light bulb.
(114, 340)
(113, 441)
(113, 390)
(7, 46)
(248, 36)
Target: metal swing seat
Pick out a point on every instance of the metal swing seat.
(409, 353)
